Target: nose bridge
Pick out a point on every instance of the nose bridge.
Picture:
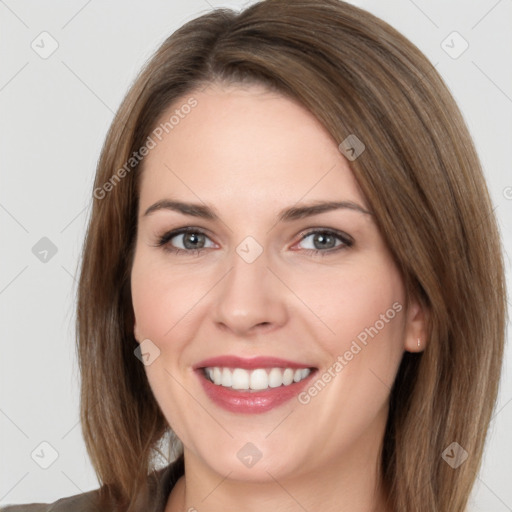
(249, 294)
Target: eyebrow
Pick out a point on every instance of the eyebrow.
(286, 215)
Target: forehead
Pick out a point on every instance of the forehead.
(244, 145)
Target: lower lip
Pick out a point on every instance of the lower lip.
(250, 402)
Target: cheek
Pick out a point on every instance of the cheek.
(161, 299)
(364, 309)
(359, 305)
(162, 302)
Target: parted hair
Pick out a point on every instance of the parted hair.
(422, 179)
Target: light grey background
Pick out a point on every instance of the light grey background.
(54, 115)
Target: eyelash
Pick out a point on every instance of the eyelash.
(164, 239)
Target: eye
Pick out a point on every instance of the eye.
(192, 241)
(324, 241)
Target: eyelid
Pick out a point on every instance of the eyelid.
(346, 241)
(164, 239)
(341, 234)
(167, 236)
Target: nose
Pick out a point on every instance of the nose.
(250, 299)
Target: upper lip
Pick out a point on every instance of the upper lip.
(231, 361)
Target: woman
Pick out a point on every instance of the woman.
(292, 274)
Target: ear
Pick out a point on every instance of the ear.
(135, 332)
(415, 339)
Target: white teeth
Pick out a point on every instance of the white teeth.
(226, 378)
(259, 379)
(217, 376)
(288, 376)
(240, 379)
(275, 378)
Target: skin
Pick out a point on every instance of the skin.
(249, 154)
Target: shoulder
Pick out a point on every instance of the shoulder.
(83, 502)
(161, 483)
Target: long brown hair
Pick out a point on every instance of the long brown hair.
(422, 178)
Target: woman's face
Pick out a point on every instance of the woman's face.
(329, 328)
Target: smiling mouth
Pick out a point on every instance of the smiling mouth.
(259, 379)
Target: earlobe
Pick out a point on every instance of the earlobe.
(135, 334)
(416, 328)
